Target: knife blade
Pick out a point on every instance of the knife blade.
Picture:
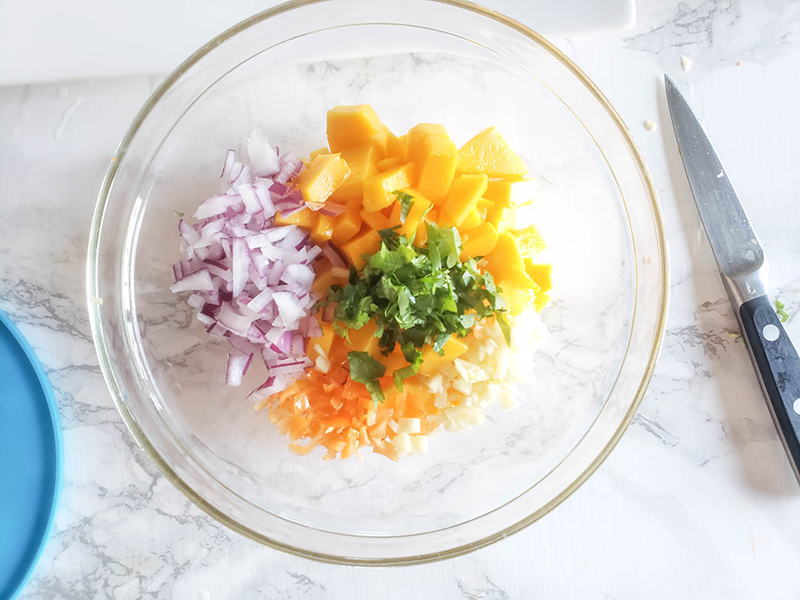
(742, 266)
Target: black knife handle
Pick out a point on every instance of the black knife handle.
(778, 368)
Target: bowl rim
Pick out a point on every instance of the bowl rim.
(94, 307)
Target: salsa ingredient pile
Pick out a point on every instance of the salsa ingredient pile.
(389, 283)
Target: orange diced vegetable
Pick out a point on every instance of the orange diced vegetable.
(350, 126)
(462, 198)
(378, 188)
(489, 153)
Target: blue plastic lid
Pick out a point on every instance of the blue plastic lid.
(31, 452)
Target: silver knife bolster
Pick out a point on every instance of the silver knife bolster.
(747, 286)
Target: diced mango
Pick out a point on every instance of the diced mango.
(432, 362)
(402, 146)
(325, 174)
(530, 242)
(389, 144)
(520, 217)
(489, 153)
(479, 241)
(419, 205)
(345, 226)
(302, 218)
(472, 221)
(462, 198)
(363, 340)
(393, 362)
(378, 188)
(490, 212)
(421, 239)
(322, 230)
(541, 300)
(350, 126)
(519, 292)
(541, 274)
(362, 162)
(505, 260)
(375, 220)
(512, 193)
(366, 243)
(324, 342)
(315, 153)
(390, 163)
(436, 157)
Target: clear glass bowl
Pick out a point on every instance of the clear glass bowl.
(414, 61)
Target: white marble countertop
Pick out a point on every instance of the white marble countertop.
(697, 501)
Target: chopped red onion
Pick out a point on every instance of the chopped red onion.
(237, 367)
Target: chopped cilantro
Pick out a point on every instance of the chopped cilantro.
(781, 310)
(180, 215)
(367, 370)
(406, 202)
(417, 296)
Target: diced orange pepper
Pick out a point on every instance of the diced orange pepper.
(350, 126)
(366, 243)
(304, 218)
(345, 227)
(322, 230)
(462, 198)
(378, 188)
(325, 174)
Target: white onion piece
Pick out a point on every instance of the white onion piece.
(237, 368)
(263, 157)
(199, 281)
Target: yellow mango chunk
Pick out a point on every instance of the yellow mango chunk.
(436, 157)
(362, 162)
(350, 126)
(363, 340)
(366, 243)
(432, 362)
(479, 241)
(512, 193)
(462, 198)
(390, 163)
(505, 260)
(542, 275)
(515, 219)
(519, 292)
(472, 221)
(319, 151)
(541, 301)
(419, 205)
(322, 230)
(489, 153)
(325, 174)
(325, 342)
(375, 220)
(345, 227)
(530, 242)
(389, 144)
(394, 362)
(402, 146)
(378, 188)
(302, 218)
(490, 212)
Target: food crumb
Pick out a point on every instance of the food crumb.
(97, 301)
(686, 63)
(739, 64)
(650, 125)
(733, 335)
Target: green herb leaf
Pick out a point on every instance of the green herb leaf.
(406, 202)
(781, 310)
(365, 369)
(180, 215)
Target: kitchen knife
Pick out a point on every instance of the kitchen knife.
(743, 268)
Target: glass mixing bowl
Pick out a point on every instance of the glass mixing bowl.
(413, 60)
